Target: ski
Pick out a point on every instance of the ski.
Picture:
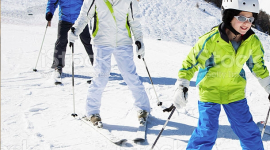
(140, 134)
(260, 124)
(105, 133)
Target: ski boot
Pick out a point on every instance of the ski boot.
(95, 119)
(142, 116)
(57, 75)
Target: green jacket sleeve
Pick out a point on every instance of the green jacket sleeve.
(256, 61)
(190, 64)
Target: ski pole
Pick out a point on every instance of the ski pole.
(158, 102)
(172, 108)
(35, 70)
(72, 46)
(265, 123)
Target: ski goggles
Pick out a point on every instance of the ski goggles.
(244, 19)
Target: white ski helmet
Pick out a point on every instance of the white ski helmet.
(243, 5)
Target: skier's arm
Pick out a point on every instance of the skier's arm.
(190, 64)
(51, 6)
(86, 14)
(134, 16)
(257, 67)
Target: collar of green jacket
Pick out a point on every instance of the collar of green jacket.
(222, 30)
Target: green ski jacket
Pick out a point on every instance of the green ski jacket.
(221, 78)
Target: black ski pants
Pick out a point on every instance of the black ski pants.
(62, 41)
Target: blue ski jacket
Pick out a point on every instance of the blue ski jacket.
(69, 10)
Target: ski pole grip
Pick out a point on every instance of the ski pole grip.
(185, 89)
(70, 44)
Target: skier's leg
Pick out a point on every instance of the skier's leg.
(61, 44)
(124, 58)
(243, 125)
(85, 38)
(204, 136)
(102, 67)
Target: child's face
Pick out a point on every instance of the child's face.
(242, 27)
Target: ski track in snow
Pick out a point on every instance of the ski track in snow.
(36, 114)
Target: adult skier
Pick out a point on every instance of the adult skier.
(114, 21)
(220, 54)
(69, 11)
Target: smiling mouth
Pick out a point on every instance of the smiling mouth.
(244, 28)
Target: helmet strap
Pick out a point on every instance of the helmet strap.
(229, 26)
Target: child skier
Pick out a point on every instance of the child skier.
(112, 35)
(220, 54)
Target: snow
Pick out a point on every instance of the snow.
(36, 114)
(265, 5)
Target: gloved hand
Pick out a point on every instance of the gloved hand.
(265, 83)
(72, 36)
(181, 93)
(49, 16)
(140, 49)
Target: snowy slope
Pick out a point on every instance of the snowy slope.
(36, 114)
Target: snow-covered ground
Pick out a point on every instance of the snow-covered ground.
(36, 114)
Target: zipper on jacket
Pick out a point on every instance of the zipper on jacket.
(90, 7)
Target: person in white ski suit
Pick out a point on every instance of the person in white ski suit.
(114, 21)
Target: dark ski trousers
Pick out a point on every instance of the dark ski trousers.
(62, 41)
(240, 118)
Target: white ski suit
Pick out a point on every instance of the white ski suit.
(111, 35)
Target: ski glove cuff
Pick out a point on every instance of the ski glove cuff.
(72, 36)
(49, 16)
(181, 93)
(140, 49)
(265, 83)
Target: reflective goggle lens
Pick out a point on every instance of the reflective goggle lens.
(244, 19)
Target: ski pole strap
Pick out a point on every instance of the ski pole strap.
(169, 109)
